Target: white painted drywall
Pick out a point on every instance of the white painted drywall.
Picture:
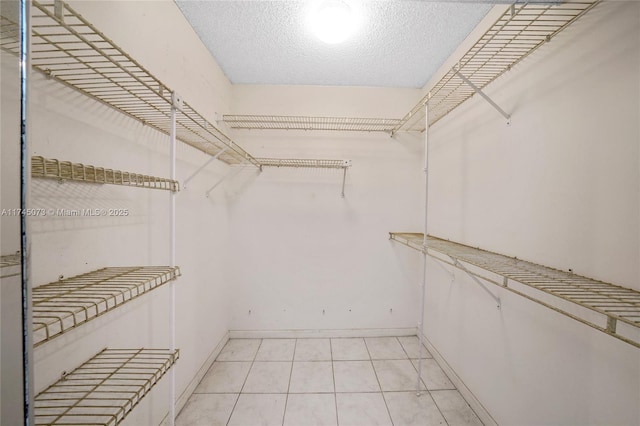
(560, 187)
(305, 258)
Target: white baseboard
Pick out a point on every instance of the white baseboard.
(300, 334)
(466, 393)
(193, 384)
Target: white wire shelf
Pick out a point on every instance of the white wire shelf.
(61, 306)
(618, 304)
(9, 260)
(516, 34)
(69, 49)
(103, 390)
(304, 163)
(65, 170)
(282, 122)
(9, 264)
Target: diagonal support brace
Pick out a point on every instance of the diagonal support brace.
(234, 171)
(476, 280)
(484, 96)
(209, 161)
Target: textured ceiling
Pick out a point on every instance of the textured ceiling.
(398, 43)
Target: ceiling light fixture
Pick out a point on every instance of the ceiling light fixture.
(333, 21)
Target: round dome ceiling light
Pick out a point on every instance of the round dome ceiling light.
(333, 21)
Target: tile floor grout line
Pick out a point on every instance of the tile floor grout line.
(414, 367)
(438, 407)
(427, 390)
(378, 380)
(244, 382)
(286, 400)
(335, 390)
(429, 393)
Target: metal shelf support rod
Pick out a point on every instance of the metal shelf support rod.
(459, 265)
(26, 286)
(424, 254)
(234, 171)
(344, 178)
(209, 161)
(484, 96)
(176, 104)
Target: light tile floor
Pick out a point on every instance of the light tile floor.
(325, 382)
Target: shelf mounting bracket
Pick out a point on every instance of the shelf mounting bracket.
(346, 165)
(209, 161)
(476, 280)
(234, 171)
(485, 97)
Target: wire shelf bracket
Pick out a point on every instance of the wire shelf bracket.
(485, 97)
(475, 279)
(232, 172)
(65, 170)
(520, 30)
(105, 389)
(201, 168)
(614, 303)
(64, 305)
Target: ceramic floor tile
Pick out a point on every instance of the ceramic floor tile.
(455, 409)
(411, 346)
(408, 409)
(310, 409)
(433, 376)
(311, 377)
(224, 377)
(239, 350)
(385, 348)
(396, 375)
(362, 409)
(276, 350)
(355, 376)
(349, 349)
(259, 410)
(268, 377)
(313, 350)
(207, 410)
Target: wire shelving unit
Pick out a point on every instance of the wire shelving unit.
(304, 163)
(103, 390)
(522, 29)
(61, 306)
(65, 170)
(614, 303)
(282, 122)
(69, 49)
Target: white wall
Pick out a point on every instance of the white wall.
(560, 187)
(299, 248)
(68, 126)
